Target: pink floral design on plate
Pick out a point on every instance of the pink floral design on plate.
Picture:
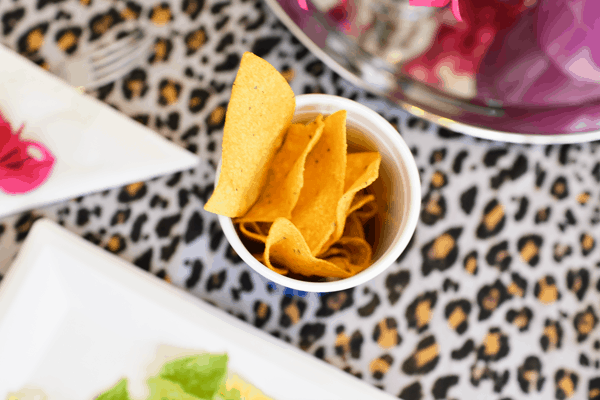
(20, 171)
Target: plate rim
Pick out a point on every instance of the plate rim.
(45, 232)
(173, 158)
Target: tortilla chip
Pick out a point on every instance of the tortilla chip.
(354, 227)
(357, 165)
(341, 261)
(324, 172)
(335, 252)
(361, 171)
(286, 175)
(367, 211)
(252, 231)
(264, 227)
(351, 253)
(260, 110)
(359, 201)
(279, 269)
(285, 246)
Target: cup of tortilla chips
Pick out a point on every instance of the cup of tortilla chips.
(316, 192)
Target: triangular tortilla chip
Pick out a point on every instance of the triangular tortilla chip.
(359, 201)
(351, 253)
(354, 227)
(260, 110)
(361, 171)
(367, 211)
(324, 172)
(252, 231)
(286, 175)
(286, 247)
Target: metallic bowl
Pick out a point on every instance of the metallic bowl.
(522, 71)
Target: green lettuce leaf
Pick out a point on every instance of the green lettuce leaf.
(117, 392)
(200, 376)
(163, 389)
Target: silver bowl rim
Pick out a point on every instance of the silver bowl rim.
(471, 130)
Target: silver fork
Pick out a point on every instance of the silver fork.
(108, 61)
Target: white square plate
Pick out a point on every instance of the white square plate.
(95, 146)
(74, 319)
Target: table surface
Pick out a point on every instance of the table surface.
(497, 295)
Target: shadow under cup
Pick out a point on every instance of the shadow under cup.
(397, 190)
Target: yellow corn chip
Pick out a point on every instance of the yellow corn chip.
(359, 201)
(286, 175)
(285, 246)
(341, 261)
(351, 253)
(367, 211)
(260, 110)
(335, 252)
(324, 172)
(264, 227)
(252, 231)
(356, 166)
(280, 269)
(361, 171)
(353, 227)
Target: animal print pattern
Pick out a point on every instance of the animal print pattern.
(496, 296)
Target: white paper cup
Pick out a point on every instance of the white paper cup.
(398, 190)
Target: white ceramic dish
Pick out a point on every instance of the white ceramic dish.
(398, 180)
(74, 319)
(95, 146)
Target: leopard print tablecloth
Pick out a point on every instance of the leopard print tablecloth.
(497, 295)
